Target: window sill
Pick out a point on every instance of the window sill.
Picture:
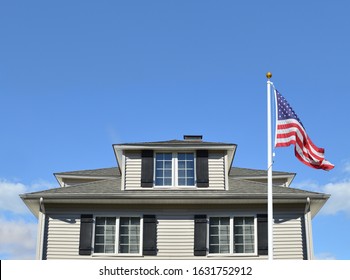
(174, 188)
(233, 255)
(99, 255)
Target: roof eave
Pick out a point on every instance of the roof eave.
(33, 201)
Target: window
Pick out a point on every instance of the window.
(244, 234)
(174, 169)
(232, 235)
(122, 233)
(219, 235)
(129, 235)
(105, 235)
(164, 167)
(185, 162)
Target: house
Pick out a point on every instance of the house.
(178, 199)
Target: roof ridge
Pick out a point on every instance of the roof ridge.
(86, 170)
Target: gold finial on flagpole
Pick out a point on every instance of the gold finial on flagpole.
(268, 75)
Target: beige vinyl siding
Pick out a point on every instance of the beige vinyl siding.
(289, 237)
(132, 170)
(216, 166)
(62, 237)
(175, 236)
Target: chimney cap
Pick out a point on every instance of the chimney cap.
(193, 137)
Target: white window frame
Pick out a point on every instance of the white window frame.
(175, 169)
(117, 235)
(231, 217)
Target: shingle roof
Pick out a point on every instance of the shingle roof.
(115, 172)
(177, 142)
(101, 172)
(112, 188)
(248, 172)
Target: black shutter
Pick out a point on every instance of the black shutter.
(147, 169)
(200, 235)
(149, 235)
(262, 234)
(202, 169)
(86, 224)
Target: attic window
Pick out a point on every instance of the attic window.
(174, 169)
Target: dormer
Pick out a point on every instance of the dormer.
(190, 163)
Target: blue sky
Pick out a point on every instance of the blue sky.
(79, 76)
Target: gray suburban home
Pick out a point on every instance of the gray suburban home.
(177, 199)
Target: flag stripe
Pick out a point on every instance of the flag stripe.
(294, 133)
(290, 131)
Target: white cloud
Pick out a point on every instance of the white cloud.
(10, 191)
(347, 167)
(339, 191)
(17, 235)
(325, 256)
(17, 239)
(340, 198)
(9, 199)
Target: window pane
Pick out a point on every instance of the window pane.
(238, 221)
(189, 173)
(248, 230)
(225, 249)
(249, 249)
(239, 249)
(129, 238)
(168, 156)
(224, 221)
(249, 221)
(159, 173)
(167, 174)
(181, 156)
(104, 235)
(190, 182)
(214, 239)
(163, 169)
(181, 164)
(167, 182)
(182, 182)
(134, 249)
(168, 164)
(219, 235)
(100, 221)
(249, 239)
(244, 234)
(182, 173)
(238, 229)
(214, 249)
(185, 169)
(124, 239)
(99, 239)
(159, 182)
(239, 239)
(214, 221)
(123, 249)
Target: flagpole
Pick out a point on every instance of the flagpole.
(269, 170)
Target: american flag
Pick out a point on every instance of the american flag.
(290, 131)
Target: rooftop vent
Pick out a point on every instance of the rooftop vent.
(193, 138)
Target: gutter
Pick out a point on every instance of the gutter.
(308, 230)
(41, 230)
